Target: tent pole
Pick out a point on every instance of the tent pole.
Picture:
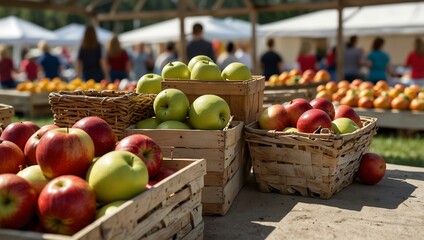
(182, 51)
(340, 43)
(253, 21)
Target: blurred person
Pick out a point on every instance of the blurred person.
(49, 64)
(353, 60)
(331, 62)
(91, 63)
(228, 56)
(119, 64)
(271, 62)
(165, 57)
(198, 45)
(140, 60)
(243, 56)
(29, 66)
(305, 59)
(415, 61)
(6, 69)
(378, 61)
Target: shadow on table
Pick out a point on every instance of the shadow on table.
(255, 214)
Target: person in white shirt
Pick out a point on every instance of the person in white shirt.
(243, 56)
(227, 57)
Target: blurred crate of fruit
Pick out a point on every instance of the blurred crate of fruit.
(6, 114)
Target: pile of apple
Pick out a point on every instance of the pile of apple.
(59, 180)
(173, 111)
(296, 77)
(364, 94)
(300, 115)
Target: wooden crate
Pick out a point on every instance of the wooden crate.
(170, 210)
(393, 118)
(245, 98)
(27, 103)
(316, 165)
(223, 151)
(283, 95)
(6, 114)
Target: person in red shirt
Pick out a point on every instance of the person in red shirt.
(6, 69)
(306, 59)
(119, 64)
(30, 67)
(415, 60)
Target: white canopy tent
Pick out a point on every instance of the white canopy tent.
(75, 31)
(169, 30)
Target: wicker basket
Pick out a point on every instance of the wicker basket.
(316, 165)
(119, 109)
(6, 114)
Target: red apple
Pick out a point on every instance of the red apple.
(347, 112)
(12, 159)
(32, 125)
(372, 168)
(325, 105)
(312, 120)
(101, 133)
(32, 143)
(309, 74)
(65, 151)
(295, 108)
(275, 117)
(19, 133)
(164, 173)
(18, 201)
(146, 149)
(66, 205)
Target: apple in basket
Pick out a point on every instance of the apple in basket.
(35, 176)
(295, 108)
(209, 112)
(33, 141)
(236, 71)
(348, 112)
(146, 149)
(66, 205)
(325, 105)
(176, 70)
(344, 125)
(149, 83)
(372, 168)
(19, 133)
(148, 123)
(196, 59)
(12, 159)
(19, 199)
(171, 104)
(101, 133)
(275, 117)
(312, 120)
(206, 70)
(172, 124)
(72, 146)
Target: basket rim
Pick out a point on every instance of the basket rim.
(192, 81)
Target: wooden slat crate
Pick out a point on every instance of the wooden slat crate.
(27, 103)
(223, 150)
(170, 210)
(281, 96)
(245, 98)
(316, 165)
(392, 118)
(6, 114)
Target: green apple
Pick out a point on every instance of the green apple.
(196, 59)
(171, 104)
(35, 176)
(108, 208)
(176, 70)
(149, 83)
(344, 125)
(148, 123)
(236, 71)
(209, 112)
(206, 70)
(290, 129)
(117, 175)
(172, 124)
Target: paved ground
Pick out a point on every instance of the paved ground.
(392, 209)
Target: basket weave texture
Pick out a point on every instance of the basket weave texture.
(316, 165)
(6, 114)
(119, 109)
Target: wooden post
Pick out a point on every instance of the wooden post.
(253, 21)
(340, 43)
(181, 15)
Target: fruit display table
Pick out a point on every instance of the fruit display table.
(283, 93)
(28, 103)
(392, 209)
(395, 118)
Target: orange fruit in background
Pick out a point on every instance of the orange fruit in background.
(399, 86)
(401, 102)
(394, 92)
(366, 85)
(410, 92)
(331, 86)
(381, 84)
(415, 87)
(356, 83)
(320, 88)
(324, 94)
(366, 102)
(382, 102)
(337, 96)
(417, 104)
(295, 72)
(322, 76)
(343, 84)
(349, 100)
(366, 92)
(273, 79)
